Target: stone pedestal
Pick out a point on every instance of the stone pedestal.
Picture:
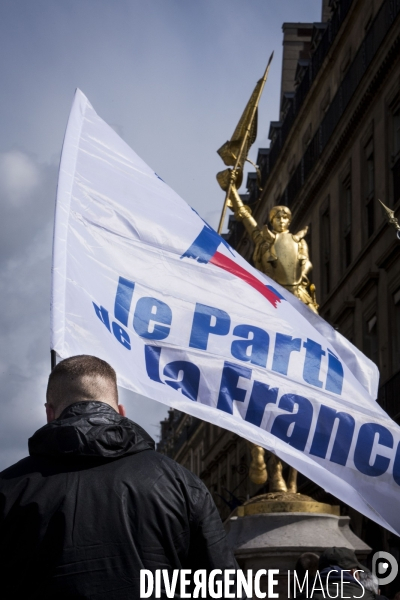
(275, 540)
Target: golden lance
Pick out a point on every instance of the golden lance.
(234, 152)
(391, 218)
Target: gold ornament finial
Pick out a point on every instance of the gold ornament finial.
(391, 218)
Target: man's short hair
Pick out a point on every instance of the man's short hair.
(83, 364)
(82, 377)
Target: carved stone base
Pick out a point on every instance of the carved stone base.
(283, 502)
(275, 540)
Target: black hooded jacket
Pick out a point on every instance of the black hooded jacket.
(93, 504)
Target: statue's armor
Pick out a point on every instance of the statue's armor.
(284, 258)
(282, 262)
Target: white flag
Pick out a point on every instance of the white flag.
(141, 281)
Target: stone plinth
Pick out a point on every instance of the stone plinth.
(275, 540)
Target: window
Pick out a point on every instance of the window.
(396, 132)
(325, 245)
(395, 332)
(347, 329)
(307, 137)
(394, 148)
(369, 187)
(346, 218)
(370, 342)
(325, 102)
(396, 154)
(291, 165)
(344, 65)
(368, 23)
(327, 317)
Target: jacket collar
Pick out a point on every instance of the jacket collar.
(90, 429)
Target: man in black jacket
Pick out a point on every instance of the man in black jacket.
(94, 503)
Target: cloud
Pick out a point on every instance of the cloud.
(19, 177)
(27, 196)
(26, 232)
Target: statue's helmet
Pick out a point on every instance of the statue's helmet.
(276, 211)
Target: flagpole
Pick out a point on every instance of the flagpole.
(246, 135)
(53, 358)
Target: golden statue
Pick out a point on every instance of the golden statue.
(258, 469)
(278, 253)
(281, 255)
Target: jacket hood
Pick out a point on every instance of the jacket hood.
(90, 429)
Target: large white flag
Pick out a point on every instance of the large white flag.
(140, 280)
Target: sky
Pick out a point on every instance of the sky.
(172, 77)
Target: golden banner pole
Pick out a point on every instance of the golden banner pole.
(246, 135)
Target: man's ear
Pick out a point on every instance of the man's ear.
(121, 410)
(50, 412)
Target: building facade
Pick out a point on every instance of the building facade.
(333, 153)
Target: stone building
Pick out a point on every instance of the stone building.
(334, 151)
